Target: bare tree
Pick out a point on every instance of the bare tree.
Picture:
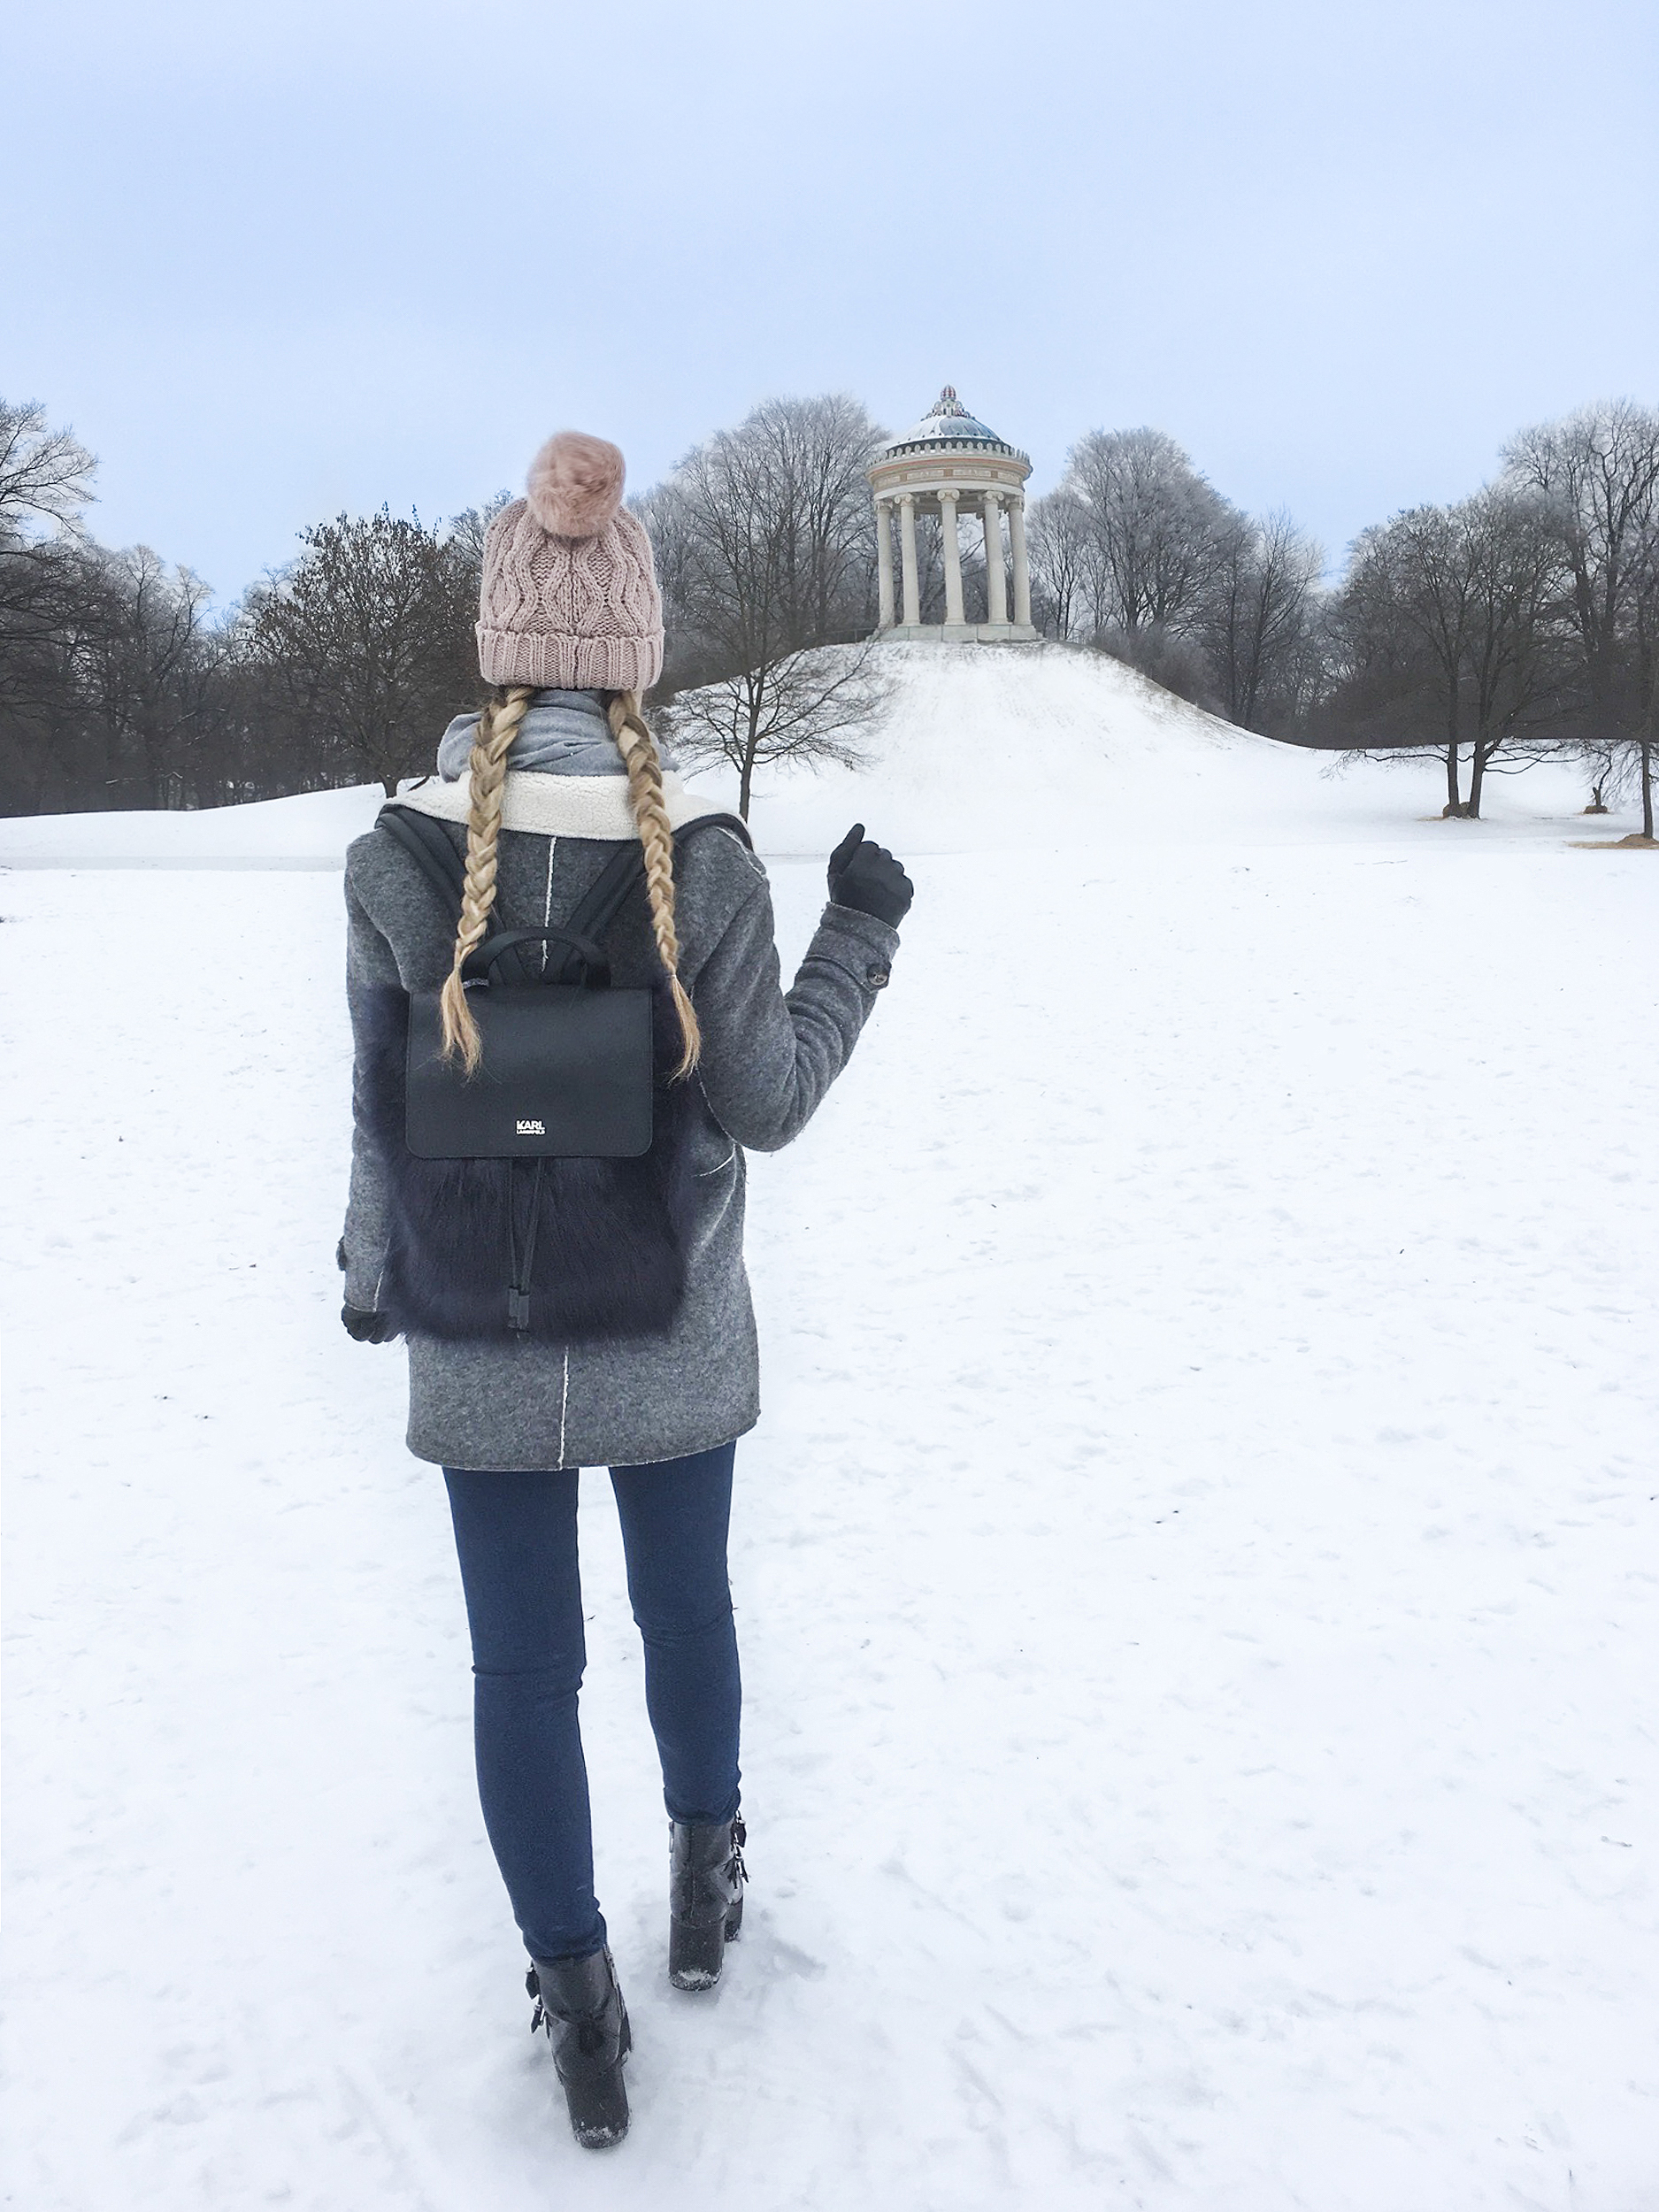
(1598, 471)
(1622, 767)
(45, 481)
(367, 643)
(1514, 641)
(468, 530)
(1131, 554)
(1060, 538)
(105, 658)
(1645, 642)
(813, 455)
(1453, 625)
(816, 707)
(763, 539)
(1408, 604)
(1156, 531)
(146, 663)
(1601, 763)
(1256, 625)
(45, 475)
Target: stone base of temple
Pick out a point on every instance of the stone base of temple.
(960, 632)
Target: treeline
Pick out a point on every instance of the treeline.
(120, 689)
(1521, 619)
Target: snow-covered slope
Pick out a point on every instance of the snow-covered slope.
(1043, 747)
(1196, 1570)
(311, 831)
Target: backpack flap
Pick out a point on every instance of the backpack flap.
(566, 1075)
(566, 1071)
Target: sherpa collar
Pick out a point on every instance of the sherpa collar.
(561, 806)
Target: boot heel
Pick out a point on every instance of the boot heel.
(695, 1955)
(577, 2002)
(705, 1907)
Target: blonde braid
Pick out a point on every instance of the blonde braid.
(497, 727)
(638, 749)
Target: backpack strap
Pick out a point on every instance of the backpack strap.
(605, 898)
(427, 843)
(611, 890)
(733, 825)
(424, 840)
(607, 894)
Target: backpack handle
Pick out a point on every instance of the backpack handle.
(595, 967)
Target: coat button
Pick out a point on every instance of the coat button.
(878, 976)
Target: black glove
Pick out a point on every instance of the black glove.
(867, 878)
(366, 1328)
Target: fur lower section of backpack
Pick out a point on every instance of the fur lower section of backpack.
(612, 1236)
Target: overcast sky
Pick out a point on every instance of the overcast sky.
(275, 261)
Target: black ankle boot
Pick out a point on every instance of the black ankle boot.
(579, 2003)
(705, 1899)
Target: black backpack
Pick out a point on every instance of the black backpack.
(550, 1195)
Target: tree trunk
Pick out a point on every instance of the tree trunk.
(388, 784)
(1476, 779)
(1454, 797)
(751, 745)
(1646, 786)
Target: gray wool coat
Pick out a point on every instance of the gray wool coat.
(768, 1058)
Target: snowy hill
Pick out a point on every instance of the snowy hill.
(1036, 748)
(1039, 745)
(310, 830)
(1195, 1570)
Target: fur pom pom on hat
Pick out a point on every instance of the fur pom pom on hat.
(575, 484)
(569, 593)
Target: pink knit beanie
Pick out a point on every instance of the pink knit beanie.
(569, 595)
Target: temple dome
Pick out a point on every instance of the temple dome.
(948, 422)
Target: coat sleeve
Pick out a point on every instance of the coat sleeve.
(369, 964)
(768, 1055)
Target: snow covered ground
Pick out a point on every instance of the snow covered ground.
(1196, 1573)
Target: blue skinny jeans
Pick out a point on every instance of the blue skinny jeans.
(516, 1535)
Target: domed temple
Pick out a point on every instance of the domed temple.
(950, 464)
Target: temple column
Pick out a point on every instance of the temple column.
(995, 575)
(907, 559)
(884, 561)
(952, 558)
(1022, 573)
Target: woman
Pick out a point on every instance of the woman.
(538, 793)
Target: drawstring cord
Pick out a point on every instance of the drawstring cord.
(519, 1284)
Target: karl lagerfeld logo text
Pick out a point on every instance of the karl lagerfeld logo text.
(531, 1129)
